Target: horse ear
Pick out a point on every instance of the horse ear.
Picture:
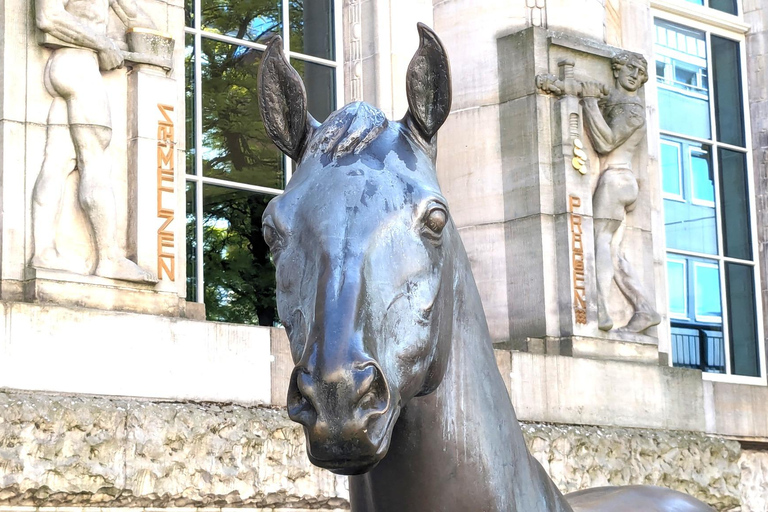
(283, 101)
(428, 84)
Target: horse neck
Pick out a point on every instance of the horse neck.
(460, 448)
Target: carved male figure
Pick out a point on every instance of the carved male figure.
(80, 129)
(617, 128)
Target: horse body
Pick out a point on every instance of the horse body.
(395, 381)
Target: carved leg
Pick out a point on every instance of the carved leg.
(629, 284)
(604, 232)
(58, 163)
(98, 200)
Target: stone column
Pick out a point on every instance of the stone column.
(552, 169)
(113, 234)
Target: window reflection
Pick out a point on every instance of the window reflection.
(191, 242)
(312, 27)
(235, 144)
(706, 278)
(678, 288)
(690, 218)
(238, 272)
(681, 70)
(252, 20)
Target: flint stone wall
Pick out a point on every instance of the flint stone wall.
(58, 451)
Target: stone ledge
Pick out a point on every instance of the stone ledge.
(46, 347)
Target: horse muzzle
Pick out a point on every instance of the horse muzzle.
(347, 415)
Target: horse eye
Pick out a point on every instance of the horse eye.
(271, 237)
(436, 219)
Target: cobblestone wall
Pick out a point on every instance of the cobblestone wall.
(110, 452)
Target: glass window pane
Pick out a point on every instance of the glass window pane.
(252, 20)
(312, 27)
(691, 223)
(706, 280)
(235, 145)
(670, 169)
(742, 324)
(697, 2)
(320, 82)
(238, 272)
(676, 280)
(728, 6)
(683, 86)
(191, 243)
(737, 239)
(702, 179)
(189, 99)
(726, 69)
(189, 13)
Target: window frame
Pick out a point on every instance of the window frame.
(680, 198)
(197, 177)
(714, 22)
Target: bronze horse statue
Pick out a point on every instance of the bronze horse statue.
(395, 380)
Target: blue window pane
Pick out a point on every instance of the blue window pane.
(702, 179)
(742, 321)
(681, 70)
(707, 292)
(670, 169)
(697, 2)
(677, 289)
(684, 114)
(728, 6)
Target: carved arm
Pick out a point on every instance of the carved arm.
(607, 137)
(51, 17)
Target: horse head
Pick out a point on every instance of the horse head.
(362, 243)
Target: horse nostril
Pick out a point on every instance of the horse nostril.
(301, 396)
(372, 391)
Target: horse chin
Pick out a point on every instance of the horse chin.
(346, 467)
(376, 439)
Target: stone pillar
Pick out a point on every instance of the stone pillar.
(551, 171)
(380, 38)
(103, 228)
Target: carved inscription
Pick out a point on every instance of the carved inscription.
(166, 255)
(577, 261)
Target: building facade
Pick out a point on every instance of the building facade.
(604, 161)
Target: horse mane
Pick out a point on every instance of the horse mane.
(348, 131)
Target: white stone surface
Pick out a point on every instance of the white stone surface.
(575, 390)
(78, 350)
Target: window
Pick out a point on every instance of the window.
(727, 6)
(233, 169)
(711, 274)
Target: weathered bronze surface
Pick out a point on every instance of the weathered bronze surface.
(395, 381)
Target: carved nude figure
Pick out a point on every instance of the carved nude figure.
(80, 129)
(617, 128)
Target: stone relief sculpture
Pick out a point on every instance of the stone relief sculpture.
(79, 128)
(617, 128)
(396, 382)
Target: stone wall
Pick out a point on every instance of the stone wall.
(86, 451)
(754, 481)
(579, 457)
(89, 451)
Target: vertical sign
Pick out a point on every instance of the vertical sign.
(577, 261)
(166, 255)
